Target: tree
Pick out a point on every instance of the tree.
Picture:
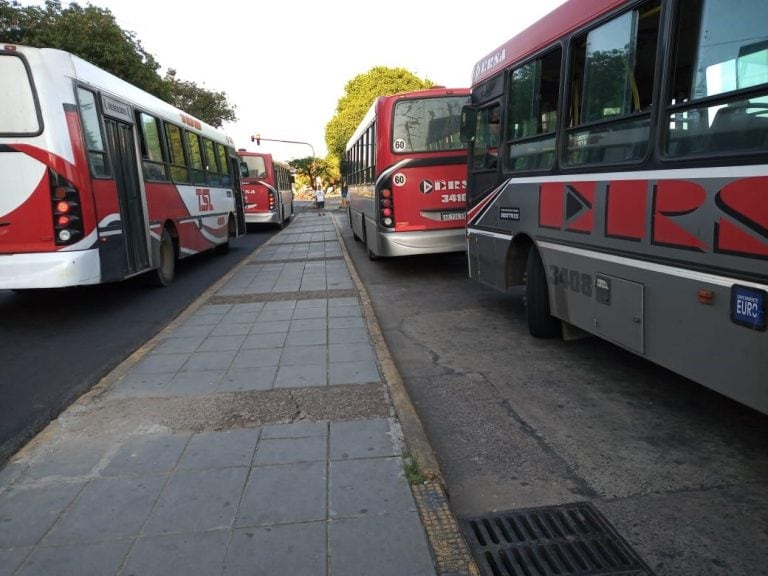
(359, 94)
(208, 106)
(93, 34)
(312, 168)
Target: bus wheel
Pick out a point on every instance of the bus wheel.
(541, 324)
(354, 234)
(167, 265)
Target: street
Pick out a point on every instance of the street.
(680, 472)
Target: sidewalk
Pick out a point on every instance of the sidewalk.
(262, 433)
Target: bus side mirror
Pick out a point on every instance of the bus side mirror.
(468, 124)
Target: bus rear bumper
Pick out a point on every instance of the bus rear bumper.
(262, 218)
(49, 270)
(422, 242)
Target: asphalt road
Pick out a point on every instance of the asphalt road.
(679, 471)
(56, 344)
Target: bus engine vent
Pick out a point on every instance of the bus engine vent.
(568, 540)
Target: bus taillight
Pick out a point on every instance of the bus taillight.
(386, 210)
(271, 200)
(67, 215)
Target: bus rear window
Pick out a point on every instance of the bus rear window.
(18, 113)
(428, 124)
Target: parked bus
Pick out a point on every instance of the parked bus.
(405, 171)
(101, 181)
(630, 194)
(267, 187)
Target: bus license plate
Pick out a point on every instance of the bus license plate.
(452, 216)
(748, 307)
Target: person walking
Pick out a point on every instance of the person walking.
(320, 201)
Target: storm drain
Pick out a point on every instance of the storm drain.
(568, 540)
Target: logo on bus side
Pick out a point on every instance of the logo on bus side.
(204, 199)
(427, 186)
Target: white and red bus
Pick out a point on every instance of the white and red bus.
(405, 172)
(267, 188)
(101, 181)
(630, 192)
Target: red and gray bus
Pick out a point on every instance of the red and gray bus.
(101, 181)
(267, 187)
(630, 191)
(405, 174)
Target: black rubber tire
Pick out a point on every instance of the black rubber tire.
(166, 269)
(541, 323)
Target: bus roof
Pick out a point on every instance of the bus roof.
(70, 65)
(567, 17)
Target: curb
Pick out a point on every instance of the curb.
(450, 550)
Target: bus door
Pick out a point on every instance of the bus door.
(484, 160)
(237, 190)
(121, 144)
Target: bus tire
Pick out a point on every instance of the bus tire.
(541, 323)
(166, 268)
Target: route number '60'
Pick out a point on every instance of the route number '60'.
(573, 280)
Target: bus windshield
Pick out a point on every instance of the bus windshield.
(257, 168)
(427, 124)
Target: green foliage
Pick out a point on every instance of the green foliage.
(93, 34)
(208, 106)
(359, 94)
(309, 169)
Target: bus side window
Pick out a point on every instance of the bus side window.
(211, 163)
(611, 88)
(195, 158)
(153, 159)
(226, 176)
(179, 169)
(97, 156)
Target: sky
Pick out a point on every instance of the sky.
(283, 64)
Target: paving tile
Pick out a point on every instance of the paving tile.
(295, 430)
(198, 500)
(379, 545)
(353, 373)
(256, 357)
(11, 558)
(194, 383)
(209, 361)
(301, 376)
(198, 554)
(96, 559)
(245, 379)
(301, 355)
(147, 454)
(362, 439)
(283, 494)
(288, 450)
(369, 486)
(70, 457)
(289, 549)
(220, 449)
(26, 514)
(107, 508)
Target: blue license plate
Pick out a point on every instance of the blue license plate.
(748, 306)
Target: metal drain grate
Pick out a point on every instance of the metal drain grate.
(568, 540)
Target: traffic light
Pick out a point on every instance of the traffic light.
(256, 138)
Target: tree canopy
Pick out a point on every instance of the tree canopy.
(359, 94)
(93, 34)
